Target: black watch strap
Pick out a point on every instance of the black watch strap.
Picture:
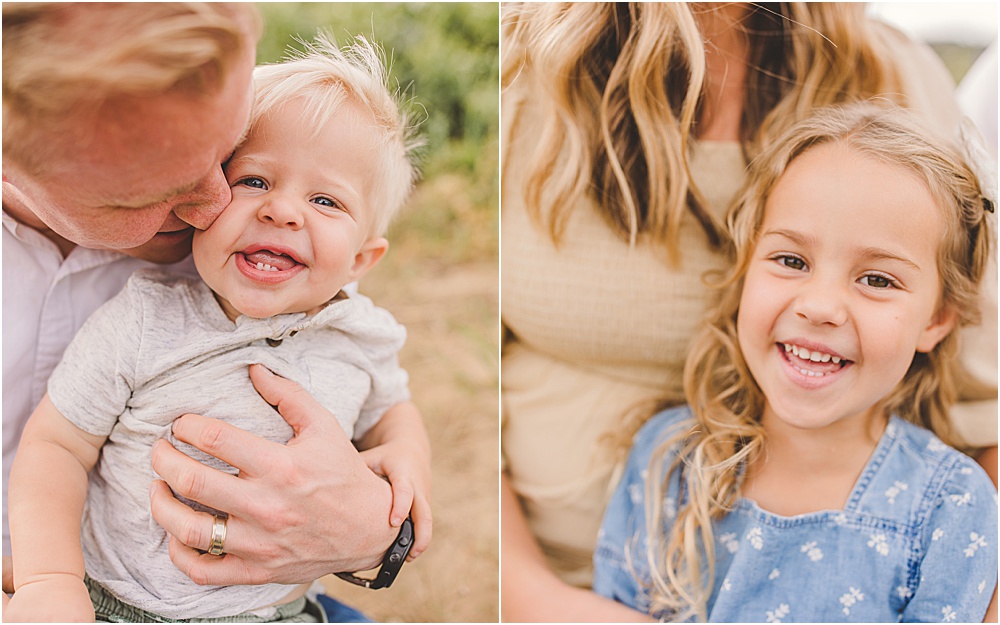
(391, 563)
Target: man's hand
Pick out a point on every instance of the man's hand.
(58, 598)
(8, 580)
(296, 512)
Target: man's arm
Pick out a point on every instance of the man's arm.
(297, 511)
(48, 486)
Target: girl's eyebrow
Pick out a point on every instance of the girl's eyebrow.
(866, 253)
(878, 253)
(792, 235)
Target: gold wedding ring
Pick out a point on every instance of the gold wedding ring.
(218, 535)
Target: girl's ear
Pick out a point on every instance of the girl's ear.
(370, 253)
(944, 321)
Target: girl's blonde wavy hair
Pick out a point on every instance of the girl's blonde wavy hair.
(622, 86)
(725, 400)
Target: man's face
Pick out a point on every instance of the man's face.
(141, 173)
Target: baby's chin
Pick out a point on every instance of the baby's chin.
(255, 308)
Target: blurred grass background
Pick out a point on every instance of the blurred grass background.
(440, 280)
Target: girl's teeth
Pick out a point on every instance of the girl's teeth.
(266, 267)
(805, 354)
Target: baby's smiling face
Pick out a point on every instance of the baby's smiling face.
(299, 225)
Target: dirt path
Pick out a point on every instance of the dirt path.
(450, 312)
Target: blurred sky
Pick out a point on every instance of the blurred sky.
(973, 23)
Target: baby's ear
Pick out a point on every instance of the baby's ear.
(941, 324)
(368, 256)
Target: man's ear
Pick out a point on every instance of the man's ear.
(941, 324)
(368, 256)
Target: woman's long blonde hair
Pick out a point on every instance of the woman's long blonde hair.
(724, 398)
(621, 86)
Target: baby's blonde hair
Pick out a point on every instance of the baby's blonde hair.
(325, 76)
(725, 399)
(621, 89)
(61, 60)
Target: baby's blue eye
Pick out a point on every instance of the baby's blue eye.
(327, 202)
(253, 182)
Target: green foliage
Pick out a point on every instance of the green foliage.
(446, 56)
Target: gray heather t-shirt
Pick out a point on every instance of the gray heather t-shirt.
(163, 348)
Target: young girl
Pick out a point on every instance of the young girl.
(802, 483)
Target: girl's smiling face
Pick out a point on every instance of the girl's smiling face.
(842, 287)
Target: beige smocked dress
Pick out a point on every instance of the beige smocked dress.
(594, 328)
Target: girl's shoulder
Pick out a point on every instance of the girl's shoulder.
(657, 430)
(920, 449)
(913, 473)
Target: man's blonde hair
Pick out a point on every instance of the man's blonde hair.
(63, 59)
(324, 76)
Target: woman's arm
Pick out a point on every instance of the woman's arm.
(530, 590)
(48, 486)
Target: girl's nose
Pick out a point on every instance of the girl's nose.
(280, 212)
(821, 302)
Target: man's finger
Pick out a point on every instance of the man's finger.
(241, 449)
(191, 527)
(205, 569)
(8, 577)
(193, 480)
(297, 407)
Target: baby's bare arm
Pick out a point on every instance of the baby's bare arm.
(48, 486)
(398, 448)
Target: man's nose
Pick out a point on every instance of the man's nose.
(206, 201)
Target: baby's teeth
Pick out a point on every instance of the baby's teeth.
(816, 357)
(835, 360)
(265, 267)
(788, 347)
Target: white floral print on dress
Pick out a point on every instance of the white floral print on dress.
(948, 614)
(635, 493)
(961, 500)
(938, 533)
(729, 541)
(810, 549)
(904, 592)
(775, 616)
(850, 598)
(879, 544)
(669, 508)
(893, 491)
(977, 542)
(756, 538)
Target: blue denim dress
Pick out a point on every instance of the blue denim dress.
(916, 541)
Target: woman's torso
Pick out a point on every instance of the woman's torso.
(595, 328)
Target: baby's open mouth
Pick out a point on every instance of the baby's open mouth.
(813, 363)
(267, 260)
